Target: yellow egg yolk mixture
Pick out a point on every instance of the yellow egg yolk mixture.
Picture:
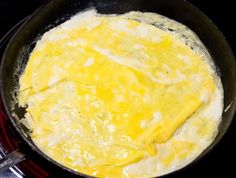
(103, 93)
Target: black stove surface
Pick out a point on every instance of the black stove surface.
(220, 160)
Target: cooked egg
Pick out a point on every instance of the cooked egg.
(114, 96)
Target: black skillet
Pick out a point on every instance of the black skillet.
(57, 11)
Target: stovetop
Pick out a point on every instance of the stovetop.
(218, 162)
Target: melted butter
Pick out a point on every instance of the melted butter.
(103, 91)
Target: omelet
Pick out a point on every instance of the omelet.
(116, 96)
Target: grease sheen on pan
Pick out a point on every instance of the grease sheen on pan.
(114, 96)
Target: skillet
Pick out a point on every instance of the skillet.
(54, 13)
